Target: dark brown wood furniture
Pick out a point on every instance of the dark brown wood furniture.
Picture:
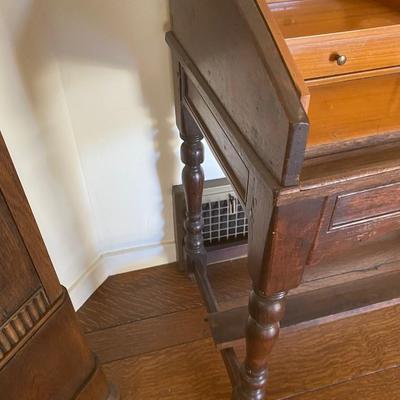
(43, 353)
(300, 103)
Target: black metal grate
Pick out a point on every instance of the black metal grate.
(224, 220)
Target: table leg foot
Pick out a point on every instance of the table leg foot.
(262, 331)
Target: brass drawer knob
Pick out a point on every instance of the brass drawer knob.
(341, 59)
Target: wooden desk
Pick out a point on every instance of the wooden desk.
(299, 101)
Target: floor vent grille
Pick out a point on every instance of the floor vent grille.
(224, 218)
(225, 229)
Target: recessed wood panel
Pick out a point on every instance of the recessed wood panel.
(371, 204)
(221, 145)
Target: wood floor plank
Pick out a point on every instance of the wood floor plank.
(384, 385)
(305, 361)
(149, 335)
(137, 295)
(193, 371)
(148, 328)
(130, 297)
(335, 352)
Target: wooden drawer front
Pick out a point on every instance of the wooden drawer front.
(218, 140)
(366, 206)
(351, 221)
(365, 50)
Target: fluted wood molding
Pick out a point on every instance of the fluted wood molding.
(21, 323)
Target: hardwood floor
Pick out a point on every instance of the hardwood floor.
(149, 330)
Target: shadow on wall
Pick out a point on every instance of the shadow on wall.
(126, 37)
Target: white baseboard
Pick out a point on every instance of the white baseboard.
(118, 262)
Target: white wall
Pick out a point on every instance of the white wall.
(86, 108)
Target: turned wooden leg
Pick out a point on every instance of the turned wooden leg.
(262, 331)
(192, 155)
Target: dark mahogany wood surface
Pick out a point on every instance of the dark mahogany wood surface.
(356, 358)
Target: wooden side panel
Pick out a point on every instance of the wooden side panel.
(25, 223)
(18, 278)
(231, 45)
(293, 231)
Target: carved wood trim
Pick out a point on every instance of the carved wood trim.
(22, 324)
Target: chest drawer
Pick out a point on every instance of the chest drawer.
(346, 52)
(335, 37)
(357, 218)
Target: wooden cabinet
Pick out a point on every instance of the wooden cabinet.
(299, 101)
(43, 353)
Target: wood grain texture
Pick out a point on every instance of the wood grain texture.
(24, 220)
(42, 369)
(384, 385)
(153, 292)
(193, 371)
(311, 360)
(315, 307)
(324, 169)
(313, 17)
(272, 117)
(123, 299)
(16, 266)
(354, 111)
(97, 387)
(43, 353)
(333, 353)
(286, 263)
(149, 335)
(276, 32)
(365, 50)
(350, 208)
(230, 160)
(111, 304)
(367, 32)
(262, 327)
(242, 88)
